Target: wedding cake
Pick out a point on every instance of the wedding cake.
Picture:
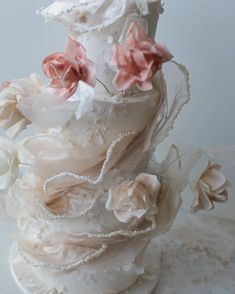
(85, 187)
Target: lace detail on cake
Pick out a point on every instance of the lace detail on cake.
(87, 16)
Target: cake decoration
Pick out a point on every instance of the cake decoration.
(87, 189)
(210, 187)
(137, 60)
(66, 69)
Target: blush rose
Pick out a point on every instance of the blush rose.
(66, 69)
(138, 60)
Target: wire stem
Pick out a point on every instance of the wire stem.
(106, 88)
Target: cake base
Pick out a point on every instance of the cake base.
(28, 282)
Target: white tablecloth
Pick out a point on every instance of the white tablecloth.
(198, 256)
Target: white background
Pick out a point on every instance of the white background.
(200, 34)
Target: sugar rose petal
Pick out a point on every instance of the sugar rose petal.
(14, 92)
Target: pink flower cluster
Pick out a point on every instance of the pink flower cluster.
(138, 60)
(66, 69)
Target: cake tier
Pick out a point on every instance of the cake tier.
(99, 25)
(57, 257)
(119, 272)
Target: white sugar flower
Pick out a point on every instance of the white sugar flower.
(11, 119)
(209, 188)
(9, 163)
(134, 199)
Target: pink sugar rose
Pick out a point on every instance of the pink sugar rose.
(66, 69)
(138, 60)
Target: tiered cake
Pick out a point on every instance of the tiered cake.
(89, 196)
